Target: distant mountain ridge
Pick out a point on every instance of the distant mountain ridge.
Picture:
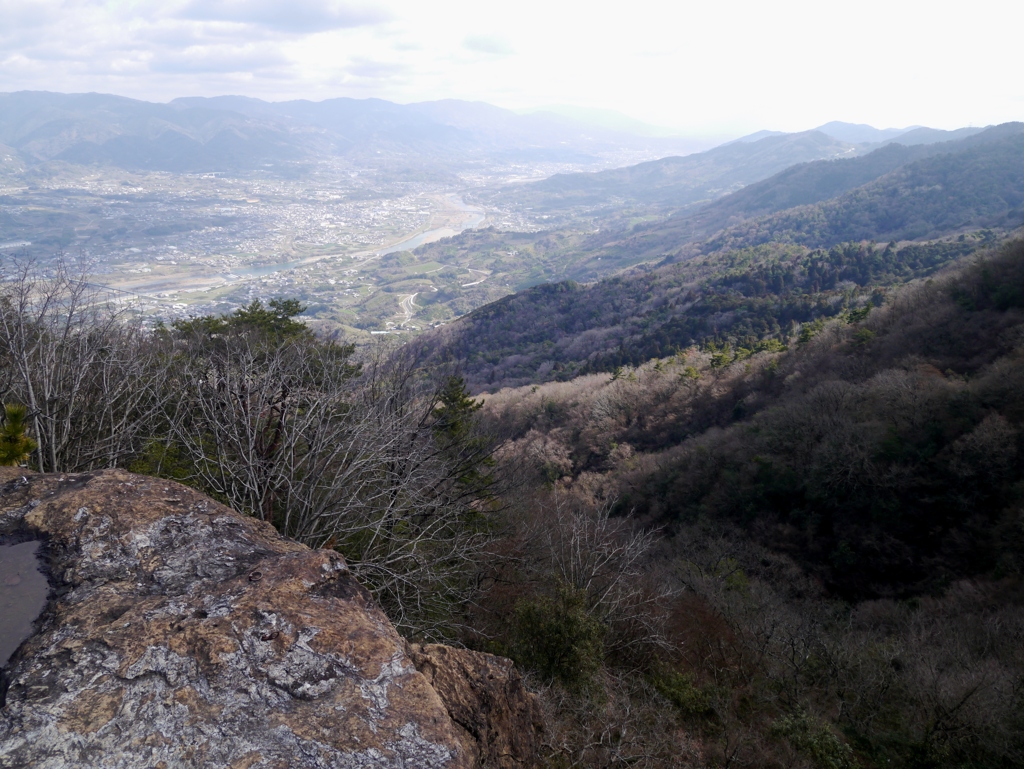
(861, 133)
(680, 182)
(230, 133)
(100, 128)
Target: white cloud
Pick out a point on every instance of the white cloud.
(376, 70)
(696, 65)
(291, 16)
(492, 44)
(220, 58)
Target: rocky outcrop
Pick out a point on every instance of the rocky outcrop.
(498, 720)
(181, 634)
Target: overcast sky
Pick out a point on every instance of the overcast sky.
(704, 68)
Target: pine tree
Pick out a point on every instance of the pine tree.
(15, 445)
(453, 429)
(454, 411)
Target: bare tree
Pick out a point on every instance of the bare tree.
(607, 560)
(76, 358)
(381, 462)
(288, 432)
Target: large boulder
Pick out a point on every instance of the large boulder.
(182, 634)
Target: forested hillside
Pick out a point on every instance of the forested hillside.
(748, 298)
(845, 516)
(858, 421)
(806, 183)
(973, 181)
(982, 184)
(806, 552)
(677, 184)
(751, 283)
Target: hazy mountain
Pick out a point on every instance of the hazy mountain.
(229, 133)
(770, 208)
(976, 182)
(749, 216)
(448, 126)
(802, 184)
(820, 180)
(99, 128)
(678, 181)
(933, 135)
(860, 133)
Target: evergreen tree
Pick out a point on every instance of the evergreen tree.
(454, 430)
(15, 445)
(276, 322)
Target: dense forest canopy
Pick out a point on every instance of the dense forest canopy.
(844, 516)
(742, 298)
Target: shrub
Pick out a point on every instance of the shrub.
(814, 739)
(558, 638)
(679, 689)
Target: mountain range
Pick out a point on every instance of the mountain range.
(240, 134)
(679, 182)
(235, 133)
(973, 197)
(675, 181)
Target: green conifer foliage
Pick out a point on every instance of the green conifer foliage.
(453, 429)
(15, 445)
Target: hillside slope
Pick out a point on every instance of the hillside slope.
(679, 182)
(804, 184)
(980, 183)
(881, 449)
(983, 167)
(749, 282)
(843, 517)
(676, 181)
(741, 298)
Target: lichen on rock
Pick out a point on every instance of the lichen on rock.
(184, 634)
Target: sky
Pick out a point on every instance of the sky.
(708, 68)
